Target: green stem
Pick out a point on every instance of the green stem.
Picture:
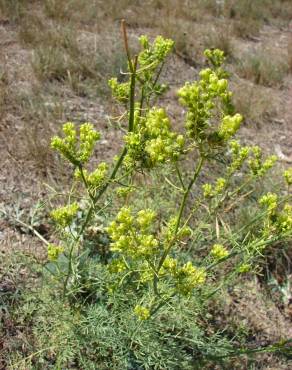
(162, 303)
(187, 192)
(179, 176)
(112, 176)
(180, 213)
(70, 268)
(85, 183)
(132, 96)
(124, 152)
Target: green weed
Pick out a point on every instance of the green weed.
(130, 274)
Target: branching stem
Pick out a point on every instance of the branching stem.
(96, 198)
(178, 222)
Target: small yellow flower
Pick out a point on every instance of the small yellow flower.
(229, 126)
(145, 218)
(68, 146)
(142, 312)
(244, 267)
(270, 201)
(170, 265)
(218, 251)
(189, 277)
(220, 185)
(65, 215)
(54, 251)
(288, 176)
(208, 190)
(117, 266)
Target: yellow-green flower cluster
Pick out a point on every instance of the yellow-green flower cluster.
(208, 190)
(270, 201)
(257, 165)
(218, 251)
(238, 156)
(66, 146)
(202, 97)
(288, 176)
(64, 216)
(277, 220)
(186, 277)
(155, 53)
(135, 143)
(169, 232)
(142, 312)
(131, 235)
(154, 142)
(162, 144)
(123, 192)
(76, 151)
(88, 138)
(145, 272)
(54, 251)
(117, 265)
(96, 178)
(211, 191)
(244, 267)
(229, 126)
(120, 90)
(145, 218)
(150, 58)
(170, 266)
(216, 57)
(284, 219)
(189, 277)
(220, 185)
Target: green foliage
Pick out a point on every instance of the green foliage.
(129, 281)
(108, 335)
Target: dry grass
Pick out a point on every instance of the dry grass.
(254, 103)
(61, 53)
(38, 123)
(249, 16)
(72, 46)
(220, 37)
(14, 9)
(4, 89)
(88, 12)
(35, 30)
(248, 28)
(289, 49)
(185, 36)
(279, 12)
(263, 67)
(246, 16)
